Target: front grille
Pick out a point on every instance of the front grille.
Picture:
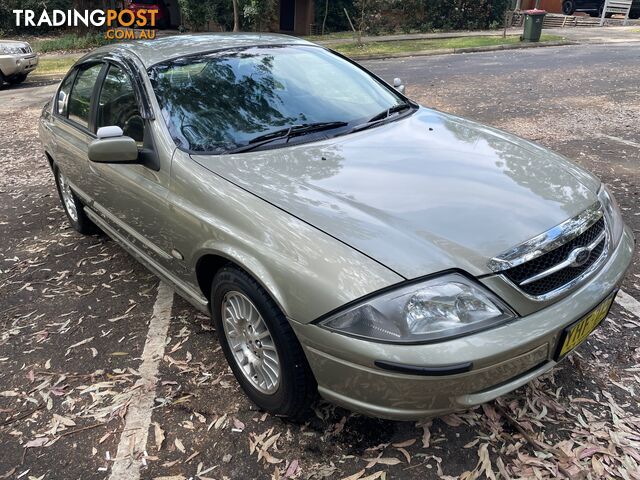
(550, 259)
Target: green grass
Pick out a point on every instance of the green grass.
(68, 42)
(330, 36)
(55, 66)
(408, 46)
(349, 35)
(58, 66)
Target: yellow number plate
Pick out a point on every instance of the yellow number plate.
(579, 331)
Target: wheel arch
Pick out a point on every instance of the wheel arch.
(210, 262)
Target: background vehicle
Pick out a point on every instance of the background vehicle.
(17, 60)
(594, 7)
(162, 13)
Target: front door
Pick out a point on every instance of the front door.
(287, 15)
(132, 198)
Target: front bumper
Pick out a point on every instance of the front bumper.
(503, 358)
(12, 65)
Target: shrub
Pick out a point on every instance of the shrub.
(336, 19)
(409, 15)
(258, 14)
(197, 14)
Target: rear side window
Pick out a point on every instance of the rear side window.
(118, 105)
(79, 105)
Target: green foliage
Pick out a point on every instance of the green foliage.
(258, 13)
(370, 15)
(198, 13)
(194, 13)
(8, 19)
(385, 16)
(336, 19)
(426, 15)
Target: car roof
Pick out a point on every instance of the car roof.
(161, 49)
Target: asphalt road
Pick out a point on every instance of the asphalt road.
(75, 313)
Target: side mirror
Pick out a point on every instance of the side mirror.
(112, 146)
(397, 84)
(62, 102)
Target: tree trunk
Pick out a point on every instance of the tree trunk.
(326, 11)
(361, 26)
(236, 17)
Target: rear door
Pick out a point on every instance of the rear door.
(71, 128)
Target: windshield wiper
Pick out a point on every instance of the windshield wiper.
(382, 116)
(286, 133)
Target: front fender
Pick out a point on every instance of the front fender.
(307, 272)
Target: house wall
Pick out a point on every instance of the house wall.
(551, 6)
(305, 16)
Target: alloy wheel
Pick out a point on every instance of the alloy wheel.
(251, 342)
(67, 197)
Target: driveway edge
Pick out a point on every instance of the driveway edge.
(449, 51)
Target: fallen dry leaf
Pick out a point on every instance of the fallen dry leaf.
(158, 434)
(179, 445)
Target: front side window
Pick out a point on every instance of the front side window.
(118, 105)
(221, 101)
(79, 104)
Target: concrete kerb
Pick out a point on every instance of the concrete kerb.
(449, 51)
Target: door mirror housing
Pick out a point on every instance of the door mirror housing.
(397, 84)
(62, 103)
(112, 146)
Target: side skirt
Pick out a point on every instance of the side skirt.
(189, 294)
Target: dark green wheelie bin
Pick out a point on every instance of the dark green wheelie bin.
(533, 20)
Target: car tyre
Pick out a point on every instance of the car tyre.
(16, 79)
(72, 205)
(260, 346)
(568, 7)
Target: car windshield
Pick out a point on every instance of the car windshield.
(220, 101)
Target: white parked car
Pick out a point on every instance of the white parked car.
(17, 60)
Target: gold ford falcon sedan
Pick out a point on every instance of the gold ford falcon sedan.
(399, 261)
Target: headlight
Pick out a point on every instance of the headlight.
(436, 309)
(612, 213)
